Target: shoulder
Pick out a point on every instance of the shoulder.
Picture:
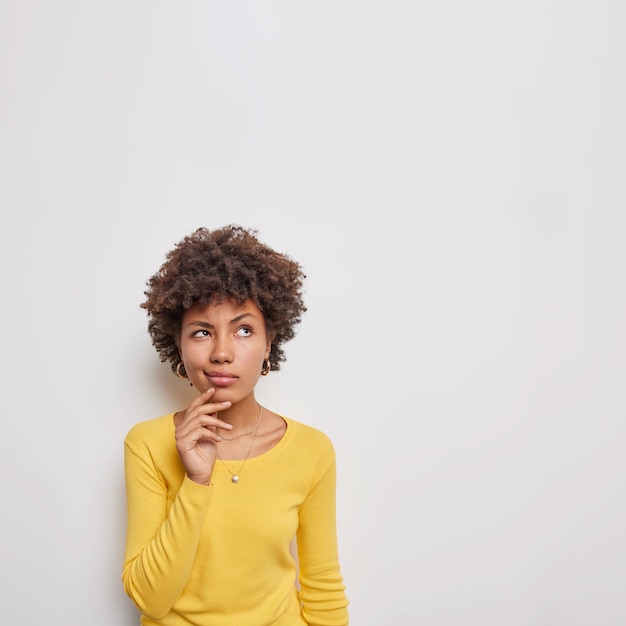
(311, 453)
(150, 432)
(311, 439)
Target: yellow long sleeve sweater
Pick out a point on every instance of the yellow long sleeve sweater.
(220, 555)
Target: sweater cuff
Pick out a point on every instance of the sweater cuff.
(194, 492)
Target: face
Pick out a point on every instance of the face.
(223, 346)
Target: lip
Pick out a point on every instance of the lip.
(221, 379)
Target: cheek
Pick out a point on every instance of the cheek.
(189, 353)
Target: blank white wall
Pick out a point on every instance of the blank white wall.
(451, 176)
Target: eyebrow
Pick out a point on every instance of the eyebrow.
(235, 320)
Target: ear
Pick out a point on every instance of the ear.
(268, 348)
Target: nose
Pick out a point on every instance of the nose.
(221, 350)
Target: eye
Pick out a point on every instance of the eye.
(244, 331)
(200, 333)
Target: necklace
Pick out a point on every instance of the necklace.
(249, 432)
(234, 478)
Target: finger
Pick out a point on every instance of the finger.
(203, 398)
(189, 440)
(213, 421)
(201, 405)
(205, 420)
(209, 410)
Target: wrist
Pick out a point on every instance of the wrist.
(204, 481)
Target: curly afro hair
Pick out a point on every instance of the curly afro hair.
(208, 267)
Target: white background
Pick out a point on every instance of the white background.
(451, 176)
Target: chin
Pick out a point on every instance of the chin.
(221, 395)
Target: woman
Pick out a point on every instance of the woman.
(231, 507)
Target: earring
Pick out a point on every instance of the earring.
(181, 372)
(267, 367)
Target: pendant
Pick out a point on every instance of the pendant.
(234, 479)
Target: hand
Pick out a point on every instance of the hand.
(196, 436)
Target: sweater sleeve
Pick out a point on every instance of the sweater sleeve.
(160, 546)
(324, 602)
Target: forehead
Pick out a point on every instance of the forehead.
(226, 310)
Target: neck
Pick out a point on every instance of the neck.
(242, 415)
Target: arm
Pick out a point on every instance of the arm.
(322, 590)
(160, 547)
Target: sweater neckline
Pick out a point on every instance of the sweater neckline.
(272, 452)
